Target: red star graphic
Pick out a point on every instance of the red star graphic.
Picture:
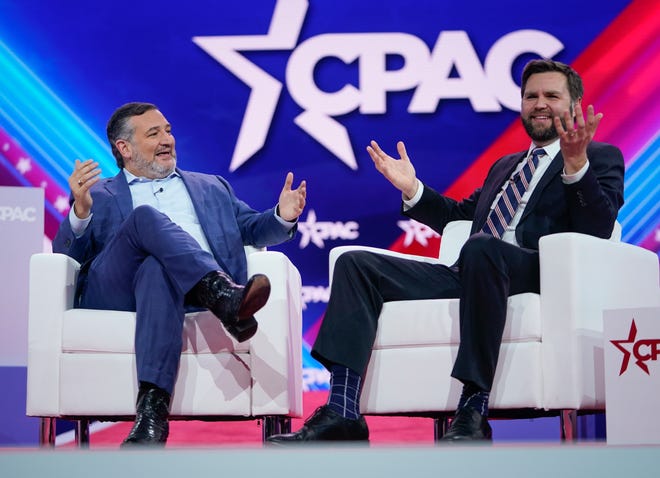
(626, 353)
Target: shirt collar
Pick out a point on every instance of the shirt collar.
(131, 178)
(551, 149)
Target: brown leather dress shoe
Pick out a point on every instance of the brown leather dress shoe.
(233, 304)
(468, 424)
(151, 426)
(325, 425)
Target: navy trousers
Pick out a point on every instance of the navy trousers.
(487, 272)
(148, 267)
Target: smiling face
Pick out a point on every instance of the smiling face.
(149, 152)
(546, 95)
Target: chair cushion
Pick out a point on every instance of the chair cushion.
(411, 323)
(87, 330)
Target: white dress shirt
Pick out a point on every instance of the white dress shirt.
(551, 150)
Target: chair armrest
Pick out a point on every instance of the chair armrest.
(581, 276)
(52, 287)
(276, 350)
(335, 252)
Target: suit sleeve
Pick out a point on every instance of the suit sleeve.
(594, 201)
(436, 210)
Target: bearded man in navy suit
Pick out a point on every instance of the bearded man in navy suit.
(575, 184)
(158, 240)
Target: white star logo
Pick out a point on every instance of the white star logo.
(416, 231)
(23, 165)
(282, 35)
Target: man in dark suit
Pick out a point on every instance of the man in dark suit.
(563, 182)
(159, 241)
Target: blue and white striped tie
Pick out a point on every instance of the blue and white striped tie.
(500, 217)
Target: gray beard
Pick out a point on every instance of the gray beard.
(157, 170)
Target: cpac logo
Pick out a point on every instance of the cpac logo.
(316, 232)
(314, 294)
(416, 232)
(642, 350)
(488, 87)
(9, 213)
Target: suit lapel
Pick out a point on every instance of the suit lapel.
(551, 173)
(493, 185)
(117, 187)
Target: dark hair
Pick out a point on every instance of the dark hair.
(575, 88)
(119, 127)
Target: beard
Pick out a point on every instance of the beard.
(153, 169)
(540, 135)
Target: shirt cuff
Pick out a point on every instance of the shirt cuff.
(288, 224)
(574, 178)
(78, 225)
(410, 203)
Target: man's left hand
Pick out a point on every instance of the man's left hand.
(574, 139)
(292, 201)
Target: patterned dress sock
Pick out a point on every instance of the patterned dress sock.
(473, 397)
(345, 388)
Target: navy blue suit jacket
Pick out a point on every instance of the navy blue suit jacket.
(227, 222)
(589, 206)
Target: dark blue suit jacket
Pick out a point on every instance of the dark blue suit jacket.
(589, 206)
(227, 222)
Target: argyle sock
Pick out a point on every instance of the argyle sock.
(344, 397)
(474, 397)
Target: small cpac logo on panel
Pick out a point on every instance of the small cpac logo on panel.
(643, 350)
(11, 213)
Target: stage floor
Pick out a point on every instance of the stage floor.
(492, 461)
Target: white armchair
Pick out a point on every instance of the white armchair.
(551, 360)
(81, 362)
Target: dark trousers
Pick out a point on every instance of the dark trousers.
(148, 267)
(487, 272)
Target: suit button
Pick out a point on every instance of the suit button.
(67, 243)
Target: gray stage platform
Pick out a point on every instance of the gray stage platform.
(496, 461)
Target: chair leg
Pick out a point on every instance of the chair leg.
(440, 426)
(568, 424)
(275, 424)
(82, 433)
(47, 431)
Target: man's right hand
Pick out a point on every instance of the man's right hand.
(400, 172)
(85, 175)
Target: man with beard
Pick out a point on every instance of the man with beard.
(159, 240)
(563, 182)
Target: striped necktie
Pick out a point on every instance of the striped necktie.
(500, 217)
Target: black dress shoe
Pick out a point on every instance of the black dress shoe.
(325, 425)
(233, 304)
(151, 426)
(468, 424)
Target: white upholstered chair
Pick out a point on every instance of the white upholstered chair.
(551, 360)
(81, 362)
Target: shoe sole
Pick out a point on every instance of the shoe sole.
(243, 329)
(255, 296)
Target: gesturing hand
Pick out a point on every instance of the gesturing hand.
(400, 172)
(85, 175)
(292, 201)
(574, 139)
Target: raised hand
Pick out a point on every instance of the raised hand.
(574, 139)
(85, 175)
(292, 201)
(400, 172)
